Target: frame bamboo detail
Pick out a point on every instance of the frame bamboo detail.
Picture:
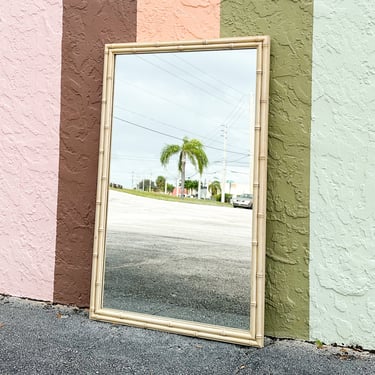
(255, 336)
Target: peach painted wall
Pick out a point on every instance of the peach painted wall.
(30, 66)
(163, 20)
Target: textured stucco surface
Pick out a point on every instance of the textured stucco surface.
(87, 26)
(163, 20)
(289, 23)
(342, 265)
(30, 62)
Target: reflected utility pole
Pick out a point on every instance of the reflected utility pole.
(251, 152)
(225, 135)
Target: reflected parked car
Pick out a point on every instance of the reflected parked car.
(243, 200)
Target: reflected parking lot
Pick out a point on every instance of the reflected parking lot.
(178, 260)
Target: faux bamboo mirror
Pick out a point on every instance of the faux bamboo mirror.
(180, 220)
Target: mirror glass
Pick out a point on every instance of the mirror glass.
(179, 215)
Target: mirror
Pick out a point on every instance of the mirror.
(180, 221)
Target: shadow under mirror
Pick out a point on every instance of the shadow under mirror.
(179, 219)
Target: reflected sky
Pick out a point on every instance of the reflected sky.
(160, 98)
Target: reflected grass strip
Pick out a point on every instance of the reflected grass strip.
(166, 197)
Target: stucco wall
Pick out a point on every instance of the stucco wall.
(289, 23)
(342, 265)
(41, 185)
(30, 65)
(163, 20)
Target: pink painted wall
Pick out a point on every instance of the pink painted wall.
(163, 20)
(30, 67)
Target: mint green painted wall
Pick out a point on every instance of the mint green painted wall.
(342, 238)
(289, 23)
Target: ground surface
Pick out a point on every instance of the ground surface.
(38, 338)
(178, 260)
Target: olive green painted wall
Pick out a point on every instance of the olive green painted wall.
(289, 23)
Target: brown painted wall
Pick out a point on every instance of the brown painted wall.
(87, 26)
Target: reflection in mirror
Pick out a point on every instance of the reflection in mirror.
(181, 159)
(179, 238)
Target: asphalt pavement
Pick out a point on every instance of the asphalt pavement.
(178, 260)
(40, 338)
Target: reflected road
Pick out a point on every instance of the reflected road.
(179, 260)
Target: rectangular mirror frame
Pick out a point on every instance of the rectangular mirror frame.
(255, 336)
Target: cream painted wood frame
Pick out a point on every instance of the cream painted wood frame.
(255, 336)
